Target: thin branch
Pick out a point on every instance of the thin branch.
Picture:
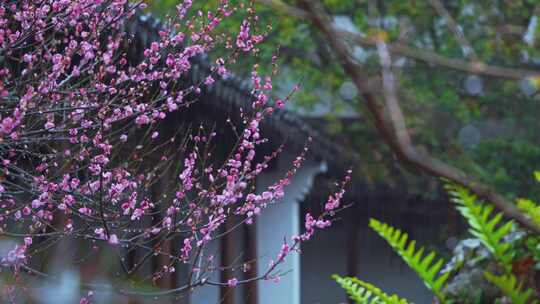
(393, 130)
(456, 29)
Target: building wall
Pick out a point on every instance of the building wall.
(307, 278)
(278, 223)
(326, 255)
(376, 262)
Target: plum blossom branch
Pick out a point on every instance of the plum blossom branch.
(86, 149)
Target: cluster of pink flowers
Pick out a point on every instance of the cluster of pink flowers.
(79, 119)
(17, 256)
(332, 205)
(245, 41)
(87, 299)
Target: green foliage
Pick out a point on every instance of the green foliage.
(537, 176)
(516, 253)
(365, 293)
(507, 164)
(508, 285)
(488, 228)
(414, 257)
(530, 208)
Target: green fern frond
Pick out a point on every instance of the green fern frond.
(414, 257)
(365, 293)
(488, 228)
(530, 208)
(358, 294)
(510, 288)
(537, 176)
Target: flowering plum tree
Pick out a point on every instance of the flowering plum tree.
(82, 147)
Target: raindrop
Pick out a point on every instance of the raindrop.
(348, 91)
(469, 136)
(527, 86)
(474, 85)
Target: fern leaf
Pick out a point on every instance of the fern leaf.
(485, 226)
(358, 294)
(365, 293)
(530, 208)
(423, 265)
(537, 176)
(510, 288)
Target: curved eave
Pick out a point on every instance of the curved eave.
(234, 93)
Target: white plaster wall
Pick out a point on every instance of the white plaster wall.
(282, 220)
(209, 294)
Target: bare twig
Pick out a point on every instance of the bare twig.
(456, 29)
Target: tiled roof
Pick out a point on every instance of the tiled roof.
(235, 93)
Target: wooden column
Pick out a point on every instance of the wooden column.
(226, 294)
(250, 248)
(162, 247)
(351, 225)
(130, 263)
(164, 260)
(174, 281)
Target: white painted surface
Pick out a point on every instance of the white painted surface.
(208, 294)
(282, 220)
